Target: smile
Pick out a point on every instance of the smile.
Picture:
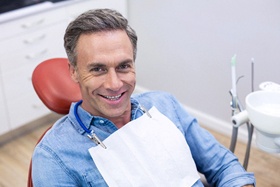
(113, 98)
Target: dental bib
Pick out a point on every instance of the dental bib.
(146, 152)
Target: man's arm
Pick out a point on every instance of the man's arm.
(46, 171)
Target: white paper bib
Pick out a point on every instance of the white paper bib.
(146, 152)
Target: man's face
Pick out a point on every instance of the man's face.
(106, 73)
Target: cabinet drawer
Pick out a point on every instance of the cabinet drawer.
(22, 58)
(31, 23)
(17, 83)
(32, 48)
(26, 109)
(23, 104)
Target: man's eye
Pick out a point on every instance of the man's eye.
(124, 66)
(98, 69)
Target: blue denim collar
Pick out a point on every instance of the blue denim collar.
(90, 120)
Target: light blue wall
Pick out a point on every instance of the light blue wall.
(185, 47)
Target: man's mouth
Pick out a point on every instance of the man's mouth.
(112, 98)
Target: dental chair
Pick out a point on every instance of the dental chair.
(54, 86)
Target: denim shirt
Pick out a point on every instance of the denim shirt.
(62, 158)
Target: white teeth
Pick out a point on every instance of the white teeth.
(113, 97)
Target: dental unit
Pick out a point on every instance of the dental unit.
(262, 112)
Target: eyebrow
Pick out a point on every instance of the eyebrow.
(127, 61)
(95, 64)
(99, 64)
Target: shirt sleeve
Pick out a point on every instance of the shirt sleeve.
(48, 170)
(219, 165)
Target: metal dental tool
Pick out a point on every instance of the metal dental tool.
(96, 140)
(145, 111)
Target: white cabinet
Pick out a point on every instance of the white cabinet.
(23, 104)
(25, 42)
(4, 127)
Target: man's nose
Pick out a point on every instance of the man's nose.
(113, 81)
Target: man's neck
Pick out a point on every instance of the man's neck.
(121, 121)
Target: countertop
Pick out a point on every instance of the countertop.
(33, 9)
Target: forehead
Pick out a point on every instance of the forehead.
(103, 47)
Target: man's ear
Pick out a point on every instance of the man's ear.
(73, 73)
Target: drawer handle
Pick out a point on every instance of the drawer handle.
(33, 24)
(34, 40)
(36, 55)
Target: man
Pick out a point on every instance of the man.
(101, 49)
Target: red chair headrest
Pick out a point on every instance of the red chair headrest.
(53, 84)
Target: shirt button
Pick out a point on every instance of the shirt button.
(101, 121)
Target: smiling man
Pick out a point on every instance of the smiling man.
(146, 139)
(105, 71)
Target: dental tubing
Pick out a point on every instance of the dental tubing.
(233, 103)
(233, 75)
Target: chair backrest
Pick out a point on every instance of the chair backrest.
(53, 84)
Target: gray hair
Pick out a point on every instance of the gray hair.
(92, 21)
